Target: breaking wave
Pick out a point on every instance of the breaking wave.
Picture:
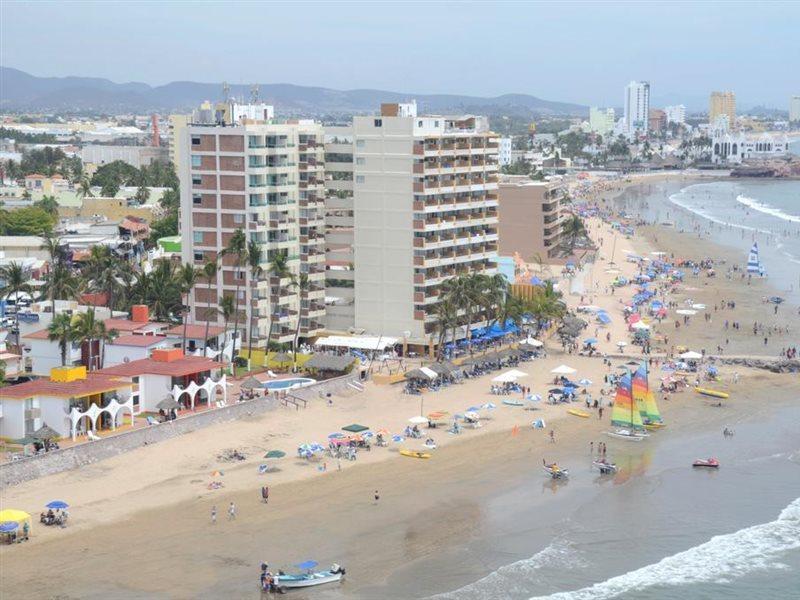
(767, 209)
(719, 560)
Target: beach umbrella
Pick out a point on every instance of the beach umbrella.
(667, 368)
(275, 454)
(640, 325)
(622, 344)
(534, 398)
(505, 378)
(397, 438)
(8, 526)
(691, 355)
(471, 414)
(217, 473)
(555, 391)
(518, 373)
(418, 420)
(632, 363)
(585, 382)
(563, 370)
(57, 505)
(335, 436)
(591, 341)
(251, 383)
(317, 448)
(699, 306)
(304, 448)
(368, 435)
(489, 406)
(281, 357)
(168, 403)
(686, 311)
(12, 514)
(25, 441)
(534, 342)
(473, 409)
(45, 432)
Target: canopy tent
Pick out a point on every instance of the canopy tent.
(362, 342)
(563, 370)
(113, 409)
(355, 428)
(330, 362)
(12, 515)
(423, 374)
(518, 373)
(691, 355)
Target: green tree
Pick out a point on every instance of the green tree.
(237, 248)
(573, 230)
(87, 329)
(226, 309)
(302, 286)
(109, 189)
(142, 194)
(188, 277)
(16, 284)
(254, 258)
(279, 269)
(60, 330)
(210, 275)
(84, 187)
(26, 221)
(49, 205)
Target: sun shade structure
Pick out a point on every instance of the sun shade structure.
(355, 428)
(45, 432)
(422, 374)
(329, 362)
(251, 383)
(168, 403)
(691, 355)
(57, 505)
(563, 370)
(282, 357)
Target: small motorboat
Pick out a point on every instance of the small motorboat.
(555, 471)
(415, 454)
(308, 578)
(710, 463)
(605, 467)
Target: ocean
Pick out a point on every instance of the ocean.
(734, 213)
(661, 530)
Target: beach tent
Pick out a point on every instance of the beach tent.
(518, 373)
(686, 311)
(590, 341)
(12, 515)
(533, 342)
(422, 374)
(563, 370)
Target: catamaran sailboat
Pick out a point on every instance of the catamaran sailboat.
(645, 400)
(753, 263)
(625, 415)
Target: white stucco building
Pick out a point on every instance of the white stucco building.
(637, 107)
(676, 114)
(734, 147)
(504, 151)
(601, 120)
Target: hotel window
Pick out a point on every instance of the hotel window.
(378, 122)
(197, 237)
(197, 180)
(238, 218)
(198, 256)
(361, 160)
(196, 160)
(359, 143)
(359, 179)
(197, 199)
(195, 141)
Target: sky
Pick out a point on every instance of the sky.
(583, 52)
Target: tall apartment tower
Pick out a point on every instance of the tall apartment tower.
(411, 202)
(794, 109)
(637, 107)
(722, 105)
(267, 179)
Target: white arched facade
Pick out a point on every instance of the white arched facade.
(209, 387)
(113, 409)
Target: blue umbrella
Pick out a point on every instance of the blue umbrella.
(585, 382)
(336, 436)
(397, 438)
(473, 409)
(590, 341)
(57, 505)
(309, 564)
(9, 526)
(534, 397)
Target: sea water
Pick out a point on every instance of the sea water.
(664, 531)
(735, 213)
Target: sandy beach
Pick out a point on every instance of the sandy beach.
(140, 522)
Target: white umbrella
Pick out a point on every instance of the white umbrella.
(622, 344)
(563, 370)
(429, 372)
(699, 306)
(418, 420)
(505, 378)
(691, 355)
(534, 342)
(518, 373)
(585, 382)
(471, 414)
(640, 325)
(686, 311)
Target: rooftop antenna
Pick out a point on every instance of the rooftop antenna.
(254, 94)
(226, 91)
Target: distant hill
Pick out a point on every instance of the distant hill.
(22, 91)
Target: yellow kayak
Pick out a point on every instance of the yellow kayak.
(710, 392)
(578, 413)
(415, 454)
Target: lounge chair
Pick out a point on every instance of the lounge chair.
(92, 435)
(152, 421)
(271, 374)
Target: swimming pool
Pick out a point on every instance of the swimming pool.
(285, 384)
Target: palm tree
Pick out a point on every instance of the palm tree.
(278, 268)
(188, 277)
(574, 230)
(210, 275)
(302, 287)
(16, 284)
(226, 309)
(60, 330)
(84, 187)
(546, 304)
(254, 257)
(237, 247)
(60, 284)
(89, 328)
(446, 314)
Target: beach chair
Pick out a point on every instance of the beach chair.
(271, 374)
(152, 421)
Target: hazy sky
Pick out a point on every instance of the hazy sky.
(580, 52)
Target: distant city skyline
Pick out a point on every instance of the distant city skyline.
(573, 52)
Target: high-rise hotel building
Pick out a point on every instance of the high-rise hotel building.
(411, 202)
(245, 171)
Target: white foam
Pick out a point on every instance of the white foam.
(765, 208)
(675, 199)
(516, 577)
(719, 560)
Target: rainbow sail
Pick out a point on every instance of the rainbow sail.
(625, 413)
(644, 398)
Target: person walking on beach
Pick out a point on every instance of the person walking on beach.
(214, 515)
(265, 494)
(552, 437)
(591, 448)
(377, 497)
(232, 512)
(600, 413)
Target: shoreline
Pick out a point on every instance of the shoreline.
(121, 504)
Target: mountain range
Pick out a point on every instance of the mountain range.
(25, 92)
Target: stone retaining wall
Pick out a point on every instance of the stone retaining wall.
(13, 473)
